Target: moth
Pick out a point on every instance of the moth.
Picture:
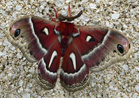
(65, 50)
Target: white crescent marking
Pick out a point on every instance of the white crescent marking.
(52, 58)
(73, 57)
(46, 70)
(88, 38)
(46, 31)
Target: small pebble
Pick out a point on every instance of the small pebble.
(18, 7)
(93, 6)
(20, 82)
(26, 95)
(125, 67)
(137, 55)
(137, 88)
(2, 54)
(115, 16)
(137, 68)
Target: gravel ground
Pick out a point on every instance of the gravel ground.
(120, 80)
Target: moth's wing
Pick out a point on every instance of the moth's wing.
(95, 48)
(29, 34)
(49, 65)
(101, 47)
(74, 73)
(36, 38)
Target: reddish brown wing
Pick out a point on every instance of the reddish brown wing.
(105, 46)
(49, 64)
(74, 73)
(36, 38)
(91, 49)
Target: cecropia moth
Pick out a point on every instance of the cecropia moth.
(66, 50)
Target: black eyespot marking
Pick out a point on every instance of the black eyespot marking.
(120, 48)
(129, 46)
(17, 32)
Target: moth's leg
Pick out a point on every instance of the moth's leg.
(56, 13)
(51, 17)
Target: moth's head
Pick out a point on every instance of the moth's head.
(69, 18)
